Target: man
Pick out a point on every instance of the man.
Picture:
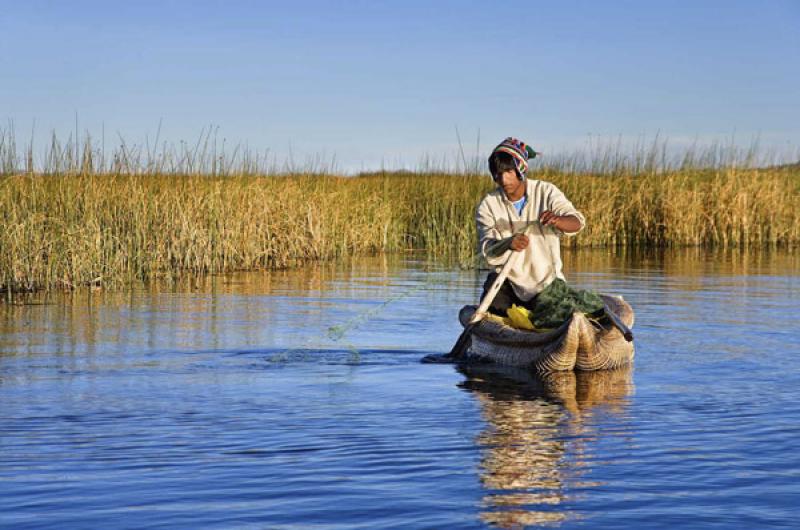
(517, 205)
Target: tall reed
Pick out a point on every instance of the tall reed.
(78, 226)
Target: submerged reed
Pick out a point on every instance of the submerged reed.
(76, 226)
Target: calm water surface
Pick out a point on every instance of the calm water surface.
(297, 400)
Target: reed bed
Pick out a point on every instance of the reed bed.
(80, 226)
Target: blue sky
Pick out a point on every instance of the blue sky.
(384, 83)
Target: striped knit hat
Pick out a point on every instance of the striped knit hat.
(520, 152)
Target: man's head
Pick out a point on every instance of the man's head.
(518, 152)
(507, 176)
(508, 164)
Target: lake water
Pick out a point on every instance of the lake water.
(296, 400)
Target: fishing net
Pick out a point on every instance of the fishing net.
(556, 303)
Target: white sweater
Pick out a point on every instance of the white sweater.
(497, 221)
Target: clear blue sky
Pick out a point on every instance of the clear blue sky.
(390, 81)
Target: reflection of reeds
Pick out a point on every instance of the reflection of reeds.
(695, 262)
(84, 219)
(537, 432)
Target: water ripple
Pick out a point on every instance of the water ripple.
(236, 408)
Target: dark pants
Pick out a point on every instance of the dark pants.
(505, 297)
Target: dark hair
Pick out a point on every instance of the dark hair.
(500, 162)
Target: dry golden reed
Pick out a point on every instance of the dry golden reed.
(69, 230)
(83, 220)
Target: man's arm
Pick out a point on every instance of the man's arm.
(561, 214)
(492, 246)
(566, 223)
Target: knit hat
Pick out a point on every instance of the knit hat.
(519, 151)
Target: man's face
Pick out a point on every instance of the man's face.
(513, 187)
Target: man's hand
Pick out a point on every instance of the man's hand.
(566, 223)
(519, 242)
(548, 218)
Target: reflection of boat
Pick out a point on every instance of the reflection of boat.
(580, 343)
(577, 392)
(536, 443)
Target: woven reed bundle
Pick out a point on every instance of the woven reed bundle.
(578, 344)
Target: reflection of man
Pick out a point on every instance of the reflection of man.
(537, 427)
(523, 461)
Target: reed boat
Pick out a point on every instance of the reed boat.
(580, 343)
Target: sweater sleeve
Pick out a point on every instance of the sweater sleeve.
(558, 203)
(491, 246)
